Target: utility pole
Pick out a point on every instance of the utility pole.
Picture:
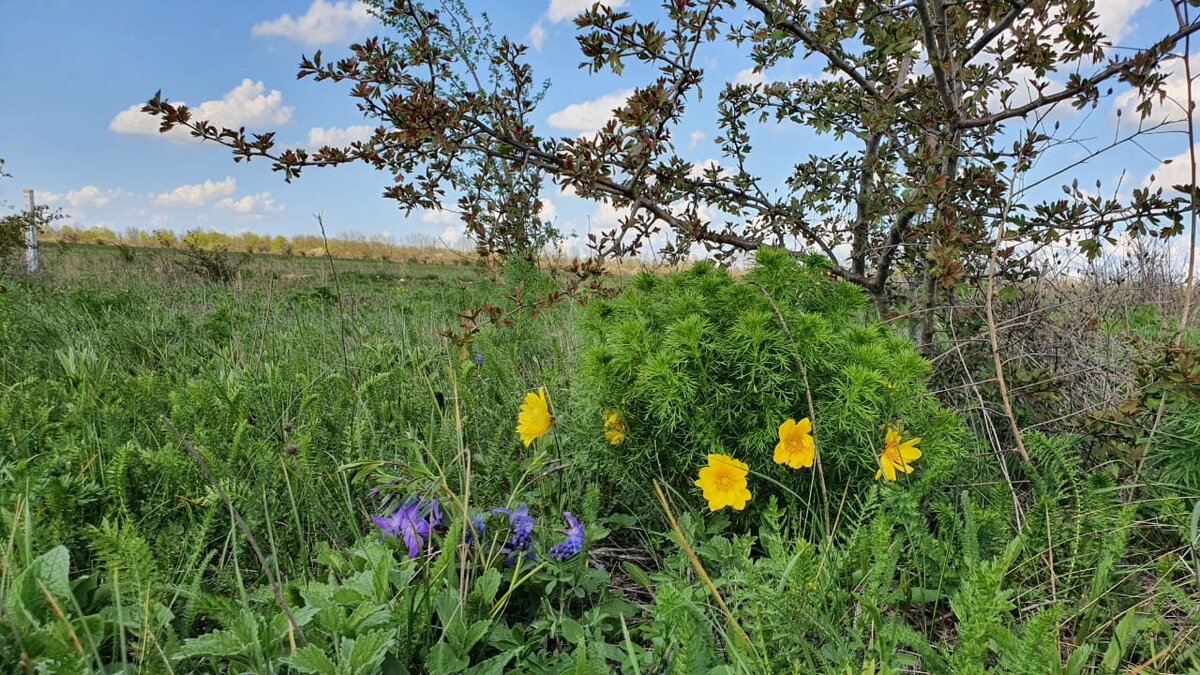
(31, 252)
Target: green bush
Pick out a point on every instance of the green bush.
(699, 362)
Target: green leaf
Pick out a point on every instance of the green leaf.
(1078, 660)
(443, 660)
(369, 650)
(219, 643)
(638, 575)
(1123, 636)
(572, 631)
(311, 659)
(245, 628)
(486, 586)
(493, 666)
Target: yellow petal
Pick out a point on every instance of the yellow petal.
(781, 455)
(738, 499)
(889, 469)
(893, 438)
(805, 426)
(786, 427)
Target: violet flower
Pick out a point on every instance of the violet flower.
(520, 543)
(407, 523)
(476, 529)
(573, 543)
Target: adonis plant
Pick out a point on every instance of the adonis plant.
(775, 383)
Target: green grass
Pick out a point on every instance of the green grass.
(119, 553)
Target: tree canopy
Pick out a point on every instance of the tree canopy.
(941, 109)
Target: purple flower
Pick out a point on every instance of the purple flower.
(407, 523)
(520, 542)
(476, 529)
(574, 539)
(479, 359)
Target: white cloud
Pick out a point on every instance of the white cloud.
(749, 76)
(440, 217)
(338, 137)
(453, 234)
(696, 139)
(1115, 17)
(589, 116)
(549, 211)
(1175, 170)
(1171, 109)
(537, 35)
(133, 121)
(607, 215)
(251, 205)
(323, 23)
(698, 170)
(195, 196)
(561, 10)
(88, 195)
(244, 105)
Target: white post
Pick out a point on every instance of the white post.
(31, 251)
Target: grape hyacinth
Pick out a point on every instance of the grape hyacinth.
(408, 524)
(520, 543)
(573, 543)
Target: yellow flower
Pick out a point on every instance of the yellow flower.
(897, 455)
(614, 427)
(535, 419)
(795, 447)
(724, 483)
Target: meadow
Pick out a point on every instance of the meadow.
(312, 466)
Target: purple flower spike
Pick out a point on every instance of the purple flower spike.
(520, 543)
(479, 359)
(435, 517)
(574, 539)
(476, 530)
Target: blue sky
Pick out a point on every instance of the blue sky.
(72, 71)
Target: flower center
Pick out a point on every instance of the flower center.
(724, 482)
(892, 454)
(793, 444)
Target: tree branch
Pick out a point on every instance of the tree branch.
(815, 45)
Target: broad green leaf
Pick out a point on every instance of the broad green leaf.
(369, 651)
(311, 659)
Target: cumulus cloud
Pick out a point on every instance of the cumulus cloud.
(1171, 109)
(549, 211)
(244, 105)
(88, 195)
(260, 204)
(587, 117)
(1175, 170)
(749, 76)
(607, 215)
(198, 195)
(1115, 17)
(338, 137)
(561, 10)
(323, 23)
(699, 170)
(696, 139)
(453, 234)
(537, 35)
(440, 217)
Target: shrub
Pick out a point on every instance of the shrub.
(699, 362)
